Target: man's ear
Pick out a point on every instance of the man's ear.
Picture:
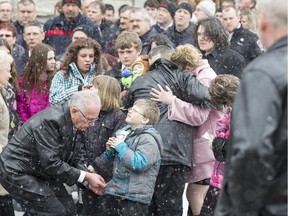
(139, 52)
(73, 111)
(262, 23)
(42, 36)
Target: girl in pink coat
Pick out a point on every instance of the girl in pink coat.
(186, 57)
(222, 90)
(35, 82)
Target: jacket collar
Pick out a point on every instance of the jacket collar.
(163, 62)
(279, 43)
(68, 126)
(74, 70)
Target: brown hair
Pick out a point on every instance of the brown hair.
(223, 89)
(13, 72)
(127, 40)
(36, 67)
(109, 92)
(150, 110)
(73, 50)
(186, 55)
(9, 27)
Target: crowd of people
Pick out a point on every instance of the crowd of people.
(129, 110)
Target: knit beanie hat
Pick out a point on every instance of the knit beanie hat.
(86, 29)
(77, 2)
(186, 6)
(208, 7)
(170, 6)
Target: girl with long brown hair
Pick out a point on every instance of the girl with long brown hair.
(35, 82)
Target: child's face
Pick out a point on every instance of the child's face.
(135, 117)
(128, 56)
(138, 68)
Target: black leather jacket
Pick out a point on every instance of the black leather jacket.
(177, 136)
(42, 150)
(256, 165)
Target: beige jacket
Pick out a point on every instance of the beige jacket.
(4, 127)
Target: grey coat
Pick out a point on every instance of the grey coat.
(136, 165)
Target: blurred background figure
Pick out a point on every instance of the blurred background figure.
(5, 67)
(6, 11)
(9, 33)
(249, 21)
(151, 7)
(110, 12)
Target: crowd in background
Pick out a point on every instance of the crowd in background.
(187, 55)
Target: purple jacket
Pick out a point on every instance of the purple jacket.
(37, 103)
(204, 121)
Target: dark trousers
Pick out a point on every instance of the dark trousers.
(116, 206)
(210, 201)
(92, 203)
(59, 203)
(6, 206)
(169, 188)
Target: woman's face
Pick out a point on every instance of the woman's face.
(51, 63)
(85, 58)
(8, 36)
(205, 43)
(245, 22)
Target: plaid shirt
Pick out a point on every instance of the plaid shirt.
(62, 89)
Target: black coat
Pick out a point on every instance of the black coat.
(96, 138)
(116, 72)
(181, 38)
(246, 43)
(109, 33)
(146, 39)
(227, 61)
(42, 150)
(256, 173)
(59, 31)
(177, 136)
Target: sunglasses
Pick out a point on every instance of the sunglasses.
(5, 35)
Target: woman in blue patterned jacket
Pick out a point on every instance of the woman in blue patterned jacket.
(77, 70)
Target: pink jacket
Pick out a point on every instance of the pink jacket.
(223, 131)
(204, 121)
(37, 103)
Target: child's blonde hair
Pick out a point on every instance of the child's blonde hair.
(150, 110)
(109, 92)
(186, 55)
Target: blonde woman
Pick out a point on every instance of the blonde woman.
(5, 66)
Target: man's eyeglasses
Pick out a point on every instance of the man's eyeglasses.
(90, 121)
(134, 110)
(5, 35)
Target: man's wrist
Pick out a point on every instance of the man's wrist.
(82, 176)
